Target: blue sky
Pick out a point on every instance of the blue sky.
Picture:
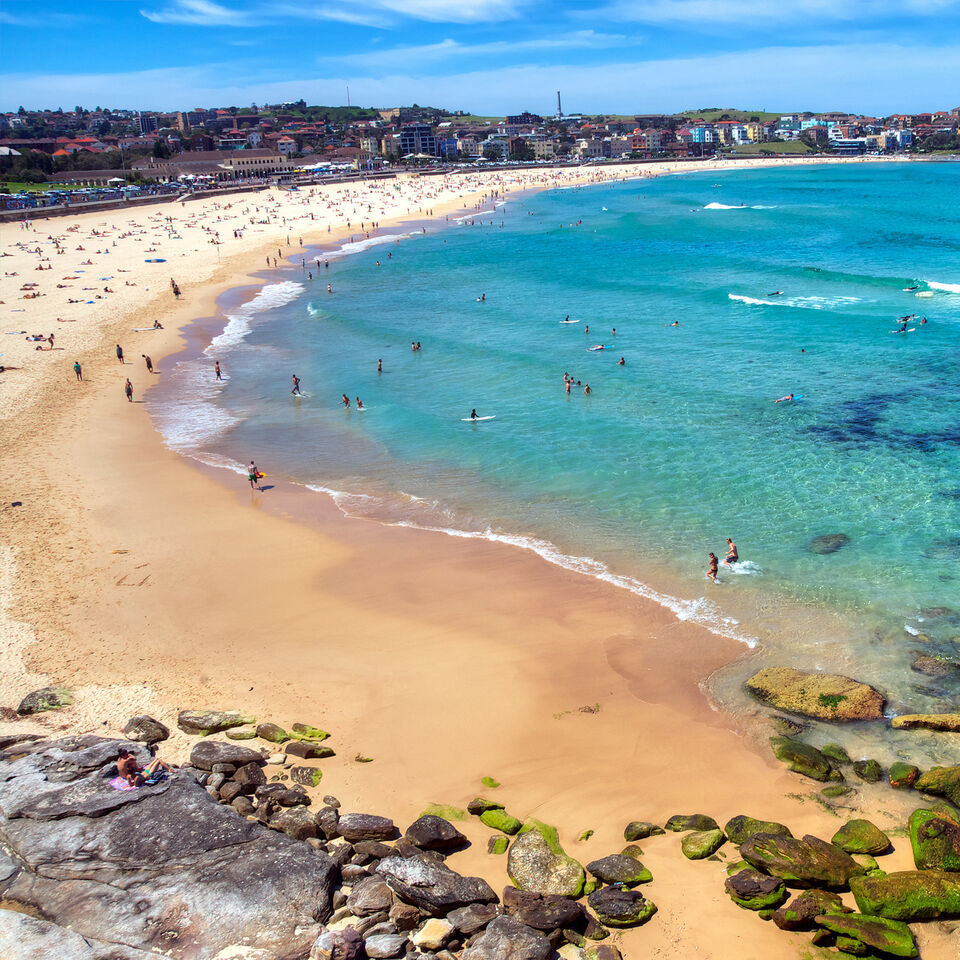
(487, 56)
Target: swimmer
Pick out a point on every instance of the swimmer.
(587, 391)
(345, 400)
(379, 366)
(359, 404)
(732, 555)
(621, 362)
(676, 323)
(329, 288)
(712, 571)
(789, 396)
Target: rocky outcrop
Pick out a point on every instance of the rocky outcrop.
(827, 543)
(909, 895)
(537, 862)
(157, 868)
(935, 838)
(825, 696)
(890, 937)
(942, 782)
(204, 722)
(432, 886)
(810, 862)
(27, 938)
(740, 828)
(805, 907)
(48, 698)
(949, 722)
(508, 939)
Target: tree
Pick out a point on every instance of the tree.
(20, 111)
(492, 153)
(160, 149)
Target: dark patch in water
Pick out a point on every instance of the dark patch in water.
(828, 543)
(947, 548)
(950, 494)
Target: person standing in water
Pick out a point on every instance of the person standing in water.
(359, 404)
(216, 369)
(712, 570)
(296, 386)
(379, 366)
(732, 555)
(587, 391)
(345, 400)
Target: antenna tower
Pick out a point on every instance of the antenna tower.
(559, 108)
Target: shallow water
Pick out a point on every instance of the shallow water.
(680, 447)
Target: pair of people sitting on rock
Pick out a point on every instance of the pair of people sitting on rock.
(129, 768)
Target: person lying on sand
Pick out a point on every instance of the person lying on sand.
(137, 776)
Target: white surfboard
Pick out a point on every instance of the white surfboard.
(477, 419)
(569, 321)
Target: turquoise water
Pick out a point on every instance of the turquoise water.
(681, 446)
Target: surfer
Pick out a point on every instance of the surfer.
(732, 555)
(296, 386)
(345, 400)
(473, 414)
(908, 289)
(903, 327)
(789, 396)
(712, 571)
(776, 293)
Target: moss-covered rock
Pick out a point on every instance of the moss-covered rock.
(755, 891)
(836, 790)
(241, 733)
(304, 731)
(204, 722)
(801, 758)
(490, 783)
(632, 850)
(948, 722)
(502, 821)
(497, 845)
(306, 776)
(868, 770)
(836, 754)
(942, 782)
(903, 775)
(700, 844)
(888, 936)
(909, 895)
(620, 869)
(272, 733)
(691, 821)
(801, 911)
(640, 830)
(851, 947)
(807, 862)
(445, 811)
(537, 862)
(479, 805)
(47, 698)
(867, 861)
(935, 838)
(737, 866)
(861, 836)
(621, 908)
(741, 827)
(822, 695)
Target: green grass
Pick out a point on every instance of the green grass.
(18, 187)
(472, 118)
(769, 149)
(730, 114)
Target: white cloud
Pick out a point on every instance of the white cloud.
(743, 13)
(202, 13)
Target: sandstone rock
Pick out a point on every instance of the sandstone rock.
(800, 912)
(755, 891)
(209, 752)
(619, 868)
(145, 729)
(700, 844)
(384, 946)
(888, 936)
(370, 896)
(544, 912)
(432, 886)
(243, 806)
(801, 758)
(433, 934)
(328, 822)
(903, 775)
(828, 543)
(250, 776)
(632, 850)
(508, 939)
(822, 695)
(8, 740)
(640, 830)
(621, 908)
(306, 750)
(809, 862)
(26, 938)
(949, 722)
(740, 828)
(205, 722)
(537, 862)
(691, 821)
(47, 698)
(935, 838)
(497, 845)
(861, 836)
(374, 849)
(868, 770)
(435, 833)
(283, 795)
(365, 826)
(272, 733)
(479, 805)
(344, 944)
(909, 895)
(933, 666)
(405, 916)
(473, 917)
(942, 782)
(227, 792)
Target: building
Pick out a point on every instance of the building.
(468, 146)
(147, 123)
(222, 164)
(286, 146)
(418, 138)
(589, 149)
(544, 149)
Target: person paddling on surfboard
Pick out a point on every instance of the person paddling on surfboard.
(473, 414)
(789, 396)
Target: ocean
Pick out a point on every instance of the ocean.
(727, 290)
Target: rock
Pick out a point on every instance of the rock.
(836, 790)
(296, 822)
(836, 754)
(942, 782)
(632, 850)
(640, 830)
(935, 838)
(404, 916)
(508, 939)
(384, 946)
(700, 844)
(433, 934)
(432, 886)
(800, 912)
(789, 727)
(27, 938)
(374, 849)
(8, 740)
(205, 722)
(161, 868)
(283, 795)
(250, 776)
(933, 666)
(861, 836)
(365, 826)
(328, 822)
(304, 731)
(479, 805)
(755, 891)
(809, 862)
(145, 729)
(619, 868)
(544, 912)
(949, 722)
(537, 862)
(208, 752)
(604, 951)
(801, 758)
(243, 806)
(497, 845)
(337, 945)
(740, 828)
(691, 821)
(868, 770)
(47, 698)
(825, 696)
(272, 733)
(370, 896)
(903, 775)
(827, 543)
(621, 908)
(473, 917)
(888, 936)
(445, 810)
(306, 776)
(306, 750)
(848, 945)
(501, 820)
(228, 792)
(909, 895)
(435, 833)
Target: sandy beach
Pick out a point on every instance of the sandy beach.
(150, 584)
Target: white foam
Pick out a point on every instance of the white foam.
(238, 323)
(358, 246)
(738, 206)
(188, 418)
(808, 303)
(742, 299)
(945, 287)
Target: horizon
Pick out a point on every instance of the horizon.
(490, 57)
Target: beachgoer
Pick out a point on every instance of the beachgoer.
(137, 776)
(621, 362)
(587, 389)
(413, 346)
(418, 345)
(712, 571)
(473, 414)
(254, 475)
(157, 325)
(614, 331)
(148, 362)
(359, 404)
(567, 385)
(379, 366)
(732, 555)
(120, 353)
(77, 369)
(329, 288)
(345, 400)
(216, 369)
(676, 323)
(789, 396)
(296, 386)
(128, 390)
(586, 328)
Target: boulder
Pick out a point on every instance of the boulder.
(204, 722)
(47, 698)
(434, 934)
(160, 869)
(909, 895)
(619, 868)
(809, 862)
(888, 936)
(508, 939)
(208, 752)
(825, 696)
(903, 775)
(861, 836)
(272, 733)
(473, 917)
(296, 822)
(385, 945)
(621, 908)
(432, 886)
(933, 665)
(836, 754)
(499, 819)
(755, 891)
(700, 844)
(479, 805)
(435, 833)
(827, 543)
(935, 838)
(801, 758)
(306, 750)
(537, 862)
(306, 776)
(28, 938)
(404, 916)
(304, 731)
(632, 850)
(370, 896)
(250, 776)
(640, 830)
(328, 822)
(691, 821)
(365, 826)
(344, 944)
(948, 722)
(868, 770)
(145, 729)
(541, 911)
(942, 782)
(740, 828)
(805, 907)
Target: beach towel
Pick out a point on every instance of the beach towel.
(119, 783)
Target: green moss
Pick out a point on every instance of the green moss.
(700, 844)
(586, 835)
(241, 733)
(903, 775)
(445, 811)
(836, 753)
(497, 845)
(303, 731)
(360, 758)
(478, 805)
(591, 884)
(490, 783)
(632, 851)
(549, 834)
(501, 820)
(837, 790)
(831, 700)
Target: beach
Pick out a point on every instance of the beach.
(149, 584)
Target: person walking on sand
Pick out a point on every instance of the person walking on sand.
(216, 369)
(148, 362)
(78, 370)
(128, 390)
(712, 570)
(254, 475)
(732, 555)
(120, 353)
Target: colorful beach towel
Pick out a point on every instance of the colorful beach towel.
(119, 783)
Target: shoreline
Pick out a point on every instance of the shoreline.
(444, 661)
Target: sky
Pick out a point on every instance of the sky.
(489, 57)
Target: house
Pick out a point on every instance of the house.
(286, 146)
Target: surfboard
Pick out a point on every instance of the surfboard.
(569, 321)
(477, 419)
(143, 329)
(925, 293)
(595, 349)
(156, 260)
(908, 330)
